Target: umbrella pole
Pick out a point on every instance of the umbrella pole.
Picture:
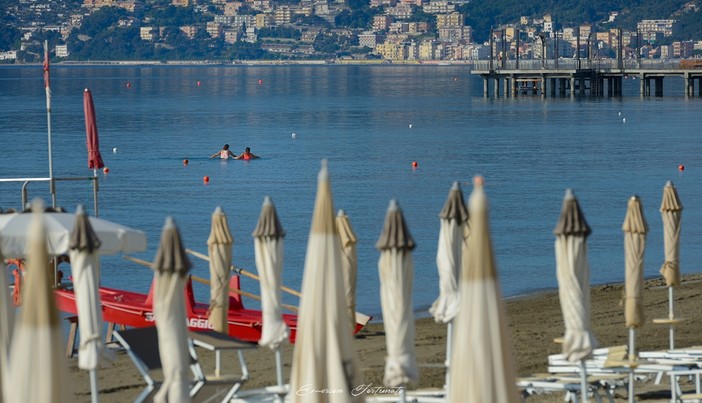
(583, 381)
(93, 386)
(402, 394)
(671, 316)
(449, 340)
(632, 357)
(279, 367)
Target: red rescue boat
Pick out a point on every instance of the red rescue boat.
(134, 309)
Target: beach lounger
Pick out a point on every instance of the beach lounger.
(141, 345)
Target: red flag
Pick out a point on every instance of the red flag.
(47, 82)
(91, 132)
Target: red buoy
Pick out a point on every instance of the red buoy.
(185, 163)
(106, 170)
(198, 83)
(129, 85)
(414, 164)
(206, 179)
(681, 167)
(260, 82)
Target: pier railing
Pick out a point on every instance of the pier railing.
(575, 64)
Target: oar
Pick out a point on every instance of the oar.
(206, 281)
(239, 270)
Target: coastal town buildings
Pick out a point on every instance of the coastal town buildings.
(391, 33)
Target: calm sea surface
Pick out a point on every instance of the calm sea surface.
(371, 123)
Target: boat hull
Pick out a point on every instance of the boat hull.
(133, 309)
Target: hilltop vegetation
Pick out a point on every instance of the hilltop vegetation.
(104, 36)
(482, 15)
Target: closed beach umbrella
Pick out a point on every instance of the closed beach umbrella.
(114, 238)
(448, 255)
(453, 218)
(349, 263)
(671, 213)
(85, 266)
(396, 269)
(482, 368)
(171, 265)
(573, 273)
(635, 230)
(37, 366)
(219, 246)
(92, 142)
(6, 325)
(268, 247)
(323, 358)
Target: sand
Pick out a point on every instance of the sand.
(534, 322)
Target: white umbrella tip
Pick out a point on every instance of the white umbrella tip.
(267, 201)
(478, 180)
(218, 210)
(86, 90)
(341, 213)
(455, 186)
(324, 171)
(37, 205)
(569, 195)
(170, 223)
(394, 206)
(80, 210)
(669, 183)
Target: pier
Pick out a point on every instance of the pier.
(582, 77)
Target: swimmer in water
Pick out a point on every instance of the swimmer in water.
(247, 155)
(224, 153)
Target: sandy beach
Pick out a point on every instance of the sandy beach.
(534, 321)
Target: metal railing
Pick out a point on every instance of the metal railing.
(52, 186)
(575, 64)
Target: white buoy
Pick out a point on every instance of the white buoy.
(114, 150)
(410, 126)
(620, 114)
(624, 120)
(294, 135)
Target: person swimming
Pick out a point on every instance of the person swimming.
(247, 155)
(224, 153)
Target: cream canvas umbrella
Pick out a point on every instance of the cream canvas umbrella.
(324, 368)
(396, 269)
(482, 363)
(85, 266)
(349, 263)
(671, 213)
(171, 265)
(114, 238)
(37, 366)
(573, 273)
(453, 217)
(635, 230)
(268, 248)
(219, 246)
(6, 325)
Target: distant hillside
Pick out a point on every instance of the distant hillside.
(482, 14)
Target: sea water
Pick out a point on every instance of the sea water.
(371, 123)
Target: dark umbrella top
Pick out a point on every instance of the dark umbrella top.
(83, 237)
(455, 206)
(268, 223)
(91, 132)
(395, 233)
(572, 221)
(171, 256)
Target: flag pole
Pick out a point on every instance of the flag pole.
(47, 87)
